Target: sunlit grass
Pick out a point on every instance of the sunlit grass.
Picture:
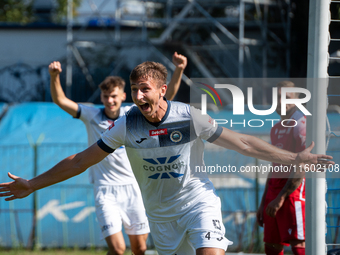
(57, 252)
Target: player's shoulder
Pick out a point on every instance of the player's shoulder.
(133, 116)
(89, 107)
(125, 109)
(300, 118)
(133, 111)
(179, 107)
(86, 111)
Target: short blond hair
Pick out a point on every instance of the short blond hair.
(150, 69)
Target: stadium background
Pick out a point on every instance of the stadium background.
(35, 134)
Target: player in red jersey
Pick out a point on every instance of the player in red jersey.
(282, 209)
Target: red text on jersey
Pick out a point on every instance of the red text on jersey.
(112, 125)
(163, 131)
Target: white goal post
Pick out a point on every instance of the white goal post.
(317, 83)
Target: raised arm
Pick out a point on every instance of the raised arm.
(65, 169)
(180, 62)
(57, 93)
(254, 147)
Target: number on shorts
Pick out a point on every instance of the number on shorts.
(207, 235)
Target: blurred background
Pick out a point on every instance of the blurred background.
(96, 38)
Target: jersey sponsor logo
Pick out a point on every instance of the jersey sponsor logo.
(112, 125)
(165, 165)
(176, 136)
(141, 140)
(163, 131)
(165, 175)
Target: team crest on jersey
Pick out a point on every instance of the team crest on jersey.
(163, 131)
(176, 136)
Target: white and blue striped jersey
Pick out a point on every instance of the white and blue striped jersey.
(115, 169)
(163, 157)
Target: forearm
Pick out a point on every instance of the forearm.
(58, 97)
(65, 169)
(57, 92)
(174, 84)
(255, 147)
(69, 167)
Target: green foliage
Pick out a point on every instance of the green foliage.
(61, 9)
(22, 11)
(17, 11)
(55, 252)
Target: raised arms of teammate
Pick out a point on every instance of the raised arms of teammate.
(71, 107)
(180, 62)
(57, 93)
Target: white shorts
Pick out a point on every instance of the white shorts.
(119, 204)
(201, 227)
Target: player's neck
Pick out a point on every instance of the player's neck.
(112, 115)
(160, 113)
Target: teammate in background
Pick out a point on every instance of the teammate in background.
(282, 209)
(117, 195)
(163, 141)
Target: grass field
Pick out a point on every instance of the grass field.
(78, 252)
(56, 252)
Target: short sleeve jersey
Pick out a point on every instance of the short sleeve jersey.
(163, 157)
(289, 138)
(115, 169)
